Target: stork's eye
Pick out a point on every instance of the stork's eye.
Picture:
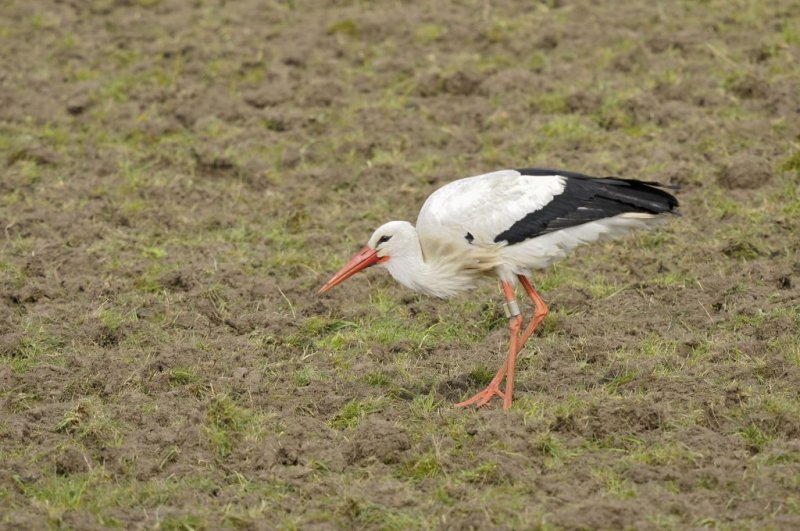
(384, 239)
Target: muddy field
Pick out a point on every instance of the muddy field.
(177, 178)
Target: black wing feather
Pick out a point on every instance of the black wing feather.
(587, 199)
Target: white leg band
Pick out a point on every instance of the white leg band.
(511, 309)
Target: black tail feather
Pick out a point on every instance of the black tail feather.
(586, 199)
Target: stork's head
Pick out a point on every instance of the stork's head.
(387, 241)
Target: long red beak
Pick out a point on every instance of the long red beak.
(361, 260)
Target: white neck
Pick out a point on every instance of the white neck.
(443, 278)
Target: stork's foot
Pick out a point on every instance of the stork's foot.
(483, 398)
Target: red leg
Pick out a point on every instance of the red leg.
(540, 310)
(514, 347)
(516, 343)
(539, 313)
(493, 389)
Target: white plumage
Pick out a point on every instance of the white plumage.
(506, 224)
(474, 204)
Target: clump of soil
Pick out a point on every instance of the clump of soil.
(744, 172)
(378, 439)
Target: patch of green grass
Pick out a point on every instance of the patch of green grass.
(388, 325)
(91, 422)
(552, 448)
(617, 442)
(701, 351)
(97, 493)
(421, 467)
(755, 438)
(483, 473)
(63, 493)
(347, 26)
(481, 375)
(569, 407)
(664, 454)
(566, 128)
(674, 279)
(780, 458)
(744, 321)
(656, 346)
(187, 522)
(621, 378)
(11, 198)
(378, 379)
(787, 197)
(722, 206)
(429, 33)
(654, 239)
(499, 29)
(30, 170)
(665, 521)
(374, 515)
(742, 250)
(789, 346)
(228, 422)
(169, 455)
(555, 277)
(319, 325)
(306, 374)
(548, 103)
(156, 253)
(600, 287)
(354, 411)
(613, 114)
(183, 376)
(423, 406)
(792, 164)
(37, 346)
(791, 35)
(321, 332)
(615, 485)
(770, 413)
(111, 319)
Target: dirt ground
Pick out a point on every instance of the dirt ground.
(177, 179)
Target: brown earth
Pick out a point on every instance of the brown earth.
(178, 178)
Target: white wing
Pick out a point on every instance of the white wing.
(477, 209)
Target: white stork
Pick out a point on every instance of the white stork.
(506, 223)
